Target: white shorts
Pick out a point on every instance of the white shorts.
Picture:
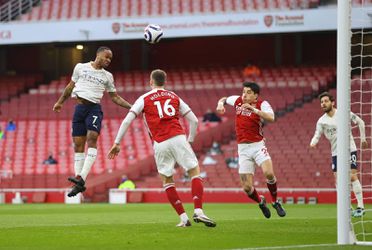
(251, 154)
(176, 149)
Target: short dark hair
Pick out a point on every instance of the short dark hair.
(331, 98)
(253, 86)
(159, 76)
(102, 48)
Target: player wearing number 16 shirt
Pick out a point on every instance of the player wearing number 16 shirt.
(161, 110)
(251, 112)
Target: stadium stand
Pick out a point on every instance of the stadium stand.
(10, 10)
(89, 9)
(12, 86)
(296, 165)
(291, 90)
(62, 10)
(188, 84)
(287, 88)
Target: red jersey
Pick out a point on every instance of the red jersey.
(248, 125)
(161, 111)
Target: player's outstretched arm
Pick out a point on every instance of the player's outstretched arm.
(193, 121)
(362, 129)
(267, 115)
(114, 151)
(317, 135)
(115, 98)
(65, 95)
(221, 105)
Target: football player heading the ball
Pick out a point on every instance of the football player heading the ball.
(161, 111)
(88, 83)
(251, 113)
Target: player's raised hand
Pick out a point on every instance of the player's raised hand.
(57, 107)
(247, 106)
(364, 144)
(220, 108)
(312, 145)
(114, 151)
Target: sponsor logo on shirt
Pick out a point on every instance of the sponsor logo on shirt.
(93, 79)
(242, 111)
(331, 131)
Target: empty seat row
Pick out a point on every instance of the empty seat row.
(89, 9)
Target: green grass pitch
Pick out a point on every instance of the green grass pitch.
(152, 226)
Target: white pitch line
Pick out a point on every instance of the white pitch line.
(286, 247)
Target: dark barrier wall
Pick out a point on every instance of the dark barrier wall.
(270, 49)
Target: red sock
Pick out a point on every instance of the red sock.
(273, 189)
(197, 192)
(173, 198)
(254, 195)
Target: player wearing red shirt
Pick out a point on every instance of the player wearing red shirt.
(161, 110)
(250, 114)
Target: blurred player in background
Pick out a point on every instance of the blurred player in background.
(327, 125)
(161, 110)
(251, 112)
(88, 83)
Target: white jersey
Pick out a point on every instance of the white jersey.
(327, 125)
(90, 83)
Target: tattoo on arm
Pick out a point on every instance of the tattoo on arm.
(66, 93)
(121, 102)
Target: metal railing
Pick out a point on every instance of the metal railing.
(14, 8)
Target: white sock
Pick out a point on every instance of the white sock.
(184, 217)
(357, 189)
(89, 160)
(79, 163)
(198, 211)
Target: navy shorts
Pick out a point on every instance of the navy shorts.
(353, 161)
(86, 117)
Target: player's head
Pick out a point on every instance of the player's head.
(327, 102)
(103, 57)
(251, 90)
(158, 78)
(124, 178)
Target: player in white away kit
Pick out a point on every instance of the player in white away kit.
(327, 125)
(87, 85)
(251, 112)
(161, 111)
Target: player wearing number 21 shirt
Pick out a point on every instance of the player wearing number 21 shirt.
(161, 110)
(251, 112)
